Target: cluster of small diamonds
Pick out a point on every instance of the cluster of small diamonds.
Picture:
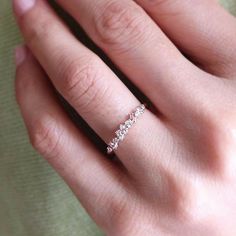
(124, 128)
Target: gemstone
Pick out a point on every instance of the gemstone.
(114, 143)
(120, 134)
(109, 150)
(122, 126)
(128, 123)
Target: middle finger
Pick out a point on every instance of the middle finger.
(139, 47)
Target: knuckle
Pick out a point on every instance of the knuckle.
(45, 137)
(82, 83)
(187, 208)
(187, 199)
(118, 23)
(120, 217)
(218, 128)
(218, 136)
(118, 210)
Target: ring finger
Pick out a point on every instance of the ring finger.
(82, 78)
(99, 185)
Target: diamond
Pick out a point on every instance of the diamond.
(124, 128)
(128, 123)
(109, 150)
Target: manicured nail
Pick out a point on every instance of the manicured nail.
(22, 6)
(20, 54)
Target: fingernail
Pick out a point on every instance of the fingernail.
(22, 6)
(20, 54)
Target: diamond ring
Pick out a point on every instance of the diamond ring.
(124, 128)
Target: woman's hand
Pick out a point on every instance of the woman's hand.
(178, 172)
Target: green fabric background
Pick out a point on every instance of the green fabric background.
(34, 201)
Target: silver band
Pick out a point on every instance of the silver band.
(124, 128)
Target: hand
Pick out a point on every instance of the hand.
(178, 166)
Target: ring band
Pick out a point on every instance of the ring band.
(124, 128)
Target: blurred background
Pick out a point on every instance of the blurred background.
(34, 200)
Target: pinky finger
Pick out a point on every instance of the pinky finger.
(97, 182)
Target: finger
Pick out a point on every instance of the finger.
(202, 29)
(79, 75)
(84, 80)
(136, 44)
(94, 179)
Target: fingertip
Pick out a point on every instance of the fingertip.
(20, 7)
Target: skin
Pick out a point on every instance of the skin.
(177, 172)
